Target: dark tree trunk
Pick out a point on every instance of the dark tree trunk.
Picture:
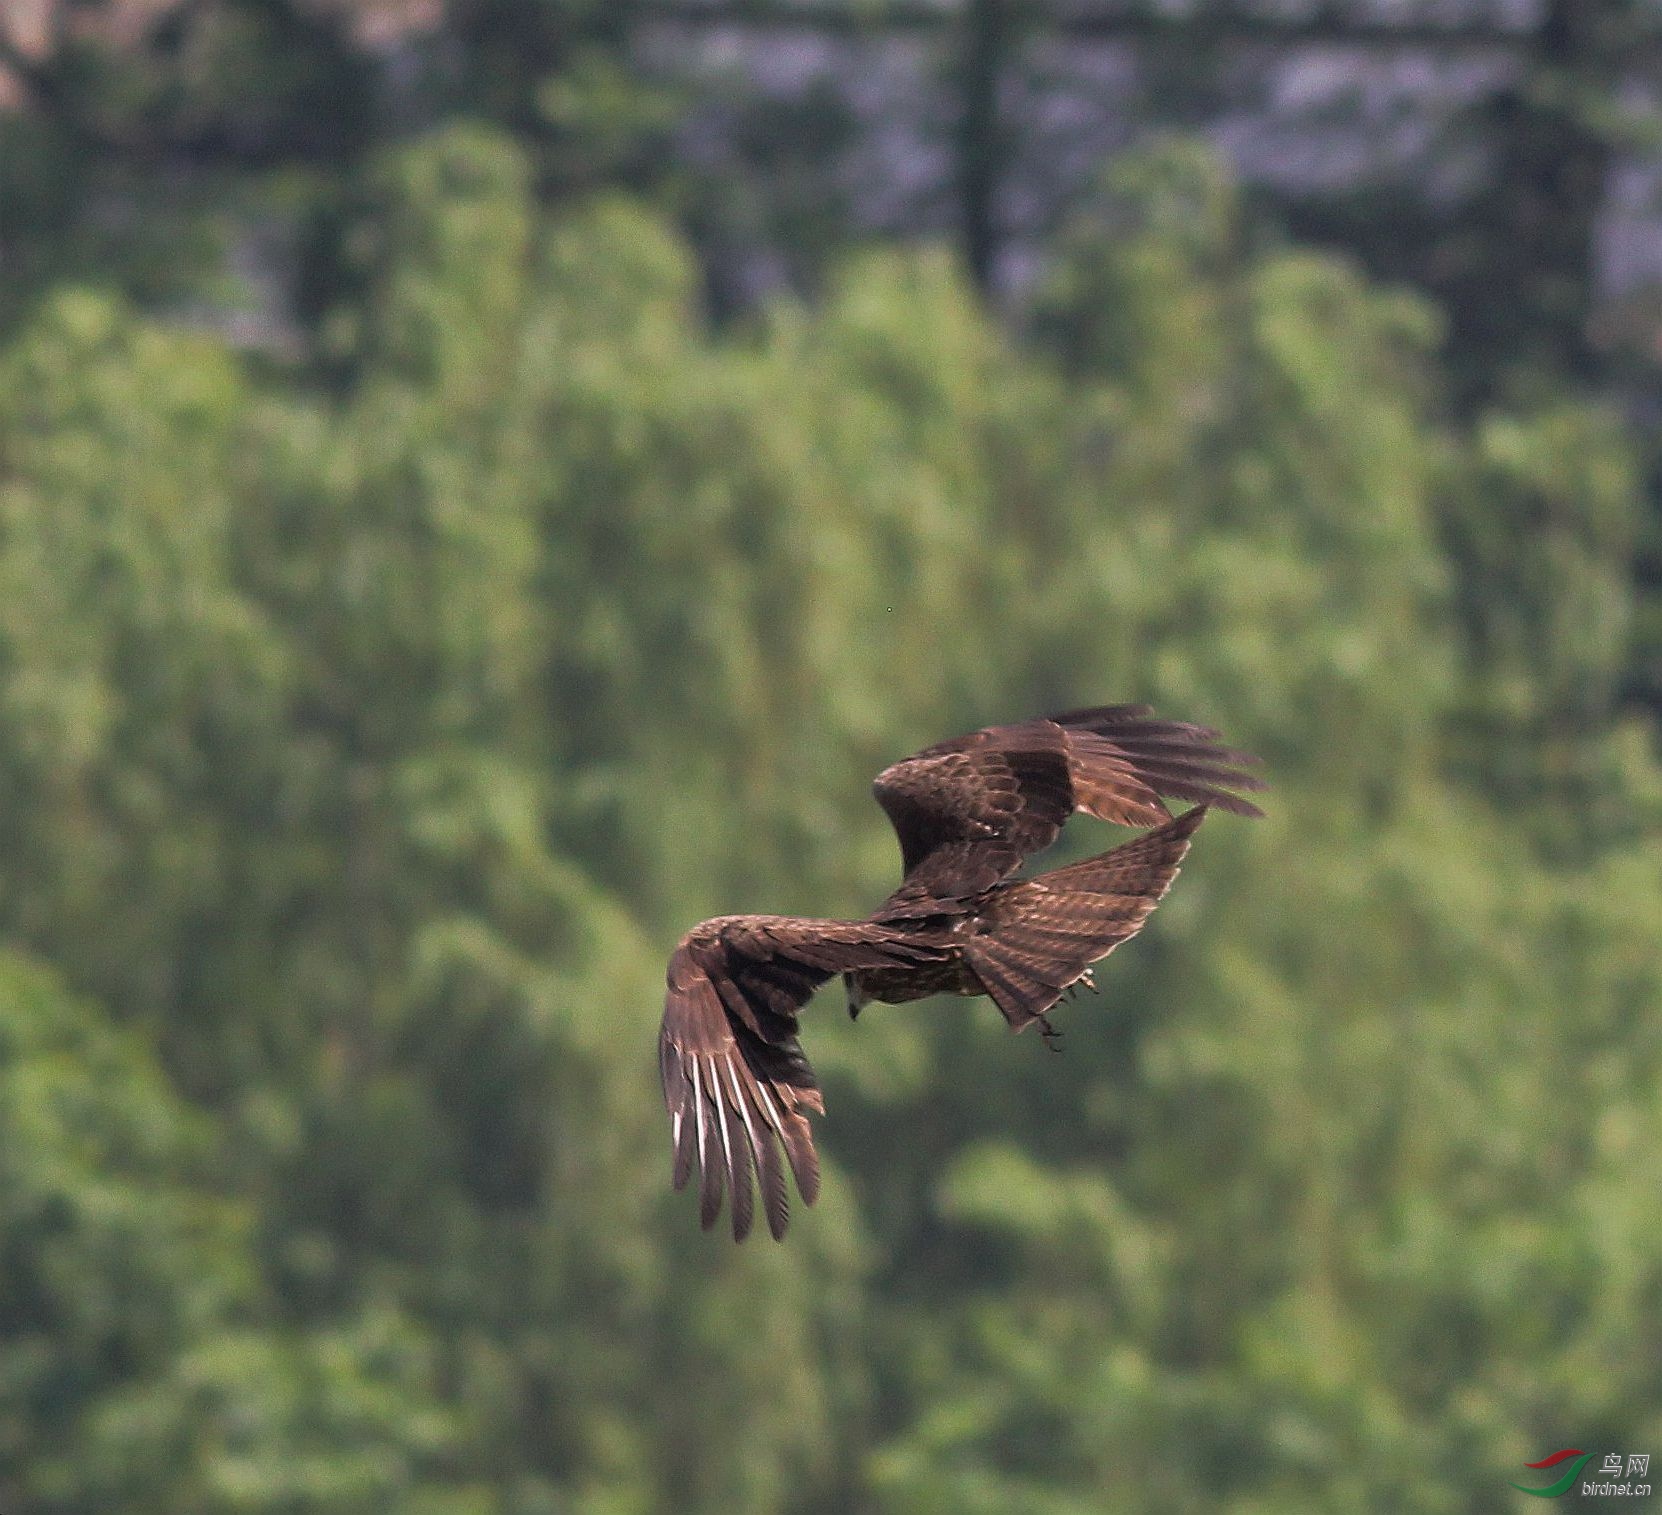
(1530, 299)
(981, 147)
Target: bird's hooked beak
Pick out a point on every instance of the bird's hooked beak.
(858, 999)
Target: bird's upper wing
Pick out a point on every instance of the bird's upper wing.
(967, 811)
(735, 1081)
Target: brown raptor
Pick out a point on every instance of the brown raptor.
(967, 812)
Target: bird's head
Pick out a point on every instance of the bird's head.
(858, 999)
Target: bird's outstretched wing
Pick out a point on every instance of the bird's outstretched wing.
(967, 811)
(735, 1081)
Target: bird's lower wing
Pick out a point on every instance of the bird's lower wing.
(736, 1083)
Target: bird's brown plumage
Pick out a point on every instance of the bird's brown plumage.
(967, 812)
(1033, 939)
(735, 1080)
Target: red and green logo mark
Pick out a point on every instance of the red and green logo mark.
(1564, 1484)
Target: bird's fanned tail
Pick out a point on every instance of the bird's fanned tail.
(1042, 935)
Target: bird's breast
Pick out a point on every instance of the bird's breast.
(896, 985)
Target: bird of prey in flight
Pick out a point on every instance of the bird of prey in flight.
(967, 812)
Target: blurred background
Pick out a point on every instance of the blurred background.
(485, 483)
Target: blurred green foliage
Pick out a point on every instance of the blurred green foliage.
(369, 730)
